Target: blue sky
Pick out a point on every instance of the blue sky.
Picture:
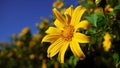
(17, 14)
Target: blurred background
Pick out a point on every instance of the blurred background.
(17, 14)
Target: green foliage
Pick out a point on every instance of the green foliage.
(94, 18)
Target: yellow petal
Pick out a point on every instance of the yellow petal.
(77, 51)
(50, 38)
(58, 24)
(68, 14)
(55, 47)
(62, 52)
(53, 30)
(77, 14)
(83, 24)
(69, 11)
(59, 16)
(81, 38)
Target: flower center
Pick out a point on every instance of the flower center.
(67, 33)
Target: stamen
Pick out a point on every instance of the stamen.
(67, 33)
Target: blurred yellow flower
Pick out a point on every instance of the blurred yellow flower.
(3, 44)
(81, 0)
(10, 54)
(64, 34)
(1, 53)
(19, 55)
(32, 56)
(97, 2)
(19, 43)
(44, 20)
(90, 2)
(98, 10)
(37, 37)
(24, 31)
(15, 49)
(108, 9)
(107, 42)
(40, 57)
(42, 25)
(58, 4)
(56, 65)
(14, 36)
(32, 43)
(44, 65)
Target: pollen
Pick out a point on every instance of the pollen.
(67, 33)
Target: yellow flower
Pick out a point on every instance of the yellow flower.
(65, 33)
(32, 56)
(58, 4)
(90, 2)
(108, 9)
(42, 25)
(1, 53)
(19, 55)
(4, 45)
(107, 42)
(19, 43)
(44, 65)
(32, 43)
(81, 0)
(56, 65)
(24, 31)
(9, 54)
(15, 49)
(40, 57)
(14, 36)
(98, 10)
(37, 37)
(44, 20)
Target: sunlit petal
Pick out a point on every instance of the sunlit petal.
(55, 47)
(77, 51)
(68, 14)
(59, 16)
(69, 11)
(83, 24)
(50, 38)
(62, 52)
(58, 24)
(53, 30)
(77, 14)
(81, 38)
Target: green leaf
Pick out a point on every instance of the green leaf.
(91, 31)
(117, 8)
(116, 58)
(93, 18)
